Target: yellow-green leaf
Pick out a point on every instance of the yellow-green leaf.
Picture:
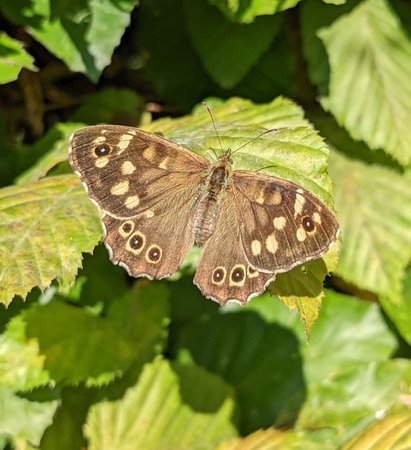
(370, 89)
(44, 227)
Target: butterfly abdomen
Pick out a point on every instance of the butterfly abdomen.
(210, 202)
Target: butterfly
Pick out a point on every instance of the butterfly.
(159, 199)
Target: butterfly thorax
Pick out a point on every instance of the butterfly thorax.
(209, 204)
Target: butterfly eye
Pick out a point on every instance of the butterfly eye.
(308, 224)
(102, 150)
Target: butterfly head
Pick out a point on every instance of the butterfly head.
(226, 158)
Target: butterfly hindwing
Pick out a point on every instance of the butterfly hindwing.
(223, 272)
(152, 246)
(282, 224)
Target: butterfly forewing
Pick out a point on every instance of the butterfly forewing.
(127, 171)
(282, 224)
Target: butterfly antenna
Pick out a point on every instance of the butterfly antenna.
(253, 139)
(215, 128)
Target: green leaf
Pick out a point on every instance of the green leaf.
(13, 58)
(339, 381)
(315, 15)
(24, 421)
(369, 92)
(277, 114)
(247, 11)
(75, 32)
(398, 308)
(171, 406)
(227, 50)
(349, 376)
(260, 360)
(111, 105)
(55, 143)
(143, 317)
(21, 364)
(96, 352)
(375, 225)
(269, 439)
(390, 433)
(44, 227)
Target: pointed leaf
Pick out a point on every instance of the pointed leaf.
(44, 227)
(169, 407)
(370, 92)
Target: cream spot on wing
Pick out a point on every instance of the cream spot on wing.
(275, 198)
(149, 214)
(256, 247)
(301, 234)
(101, 162)
(124, 142)
(149, 153)
(271, 243)
(104, 131)
(261, 197)
(316, 217)
(218, 275)
(298, 204)
(131, 131)
(132, 202)
(279, 222)
(252, 273)
(127, 168)
(163, 164)
(99, 140)
(120, 188)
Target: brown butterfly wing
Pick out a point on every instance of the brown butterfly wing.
(148, 189)
(154, 246)
(282, 224)
(223, 272)
(128, 171)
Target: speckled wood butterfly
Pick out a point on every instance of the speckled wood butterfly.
(159, 198)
